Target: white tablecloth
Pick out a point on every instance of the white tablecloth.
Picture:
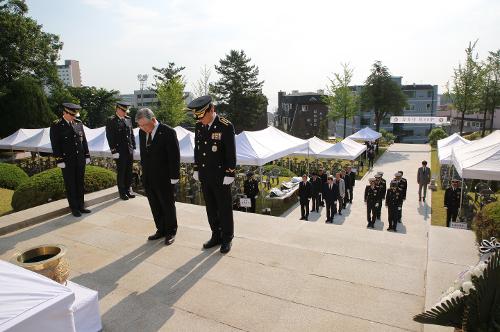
(85, 308)
(31, 302)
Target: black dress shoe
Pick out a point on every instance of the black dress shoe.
(76, 213)
(155, 236)
(84, 210)
(211, 243)
(124, 197)
(130, 195)
(225, 247)
(169, 239)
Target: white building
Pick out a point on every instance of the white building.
(148, 98)
(69, 73)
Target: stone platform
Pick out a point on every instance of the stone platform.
(281, 275)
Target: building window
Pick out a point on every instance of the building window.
(365, 121)
(305, 108)
(429, 93)
(410, 93)
(410, 107)
(428, 106)
(315, 111)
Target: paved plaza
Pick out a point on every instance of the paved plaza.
(282, 274)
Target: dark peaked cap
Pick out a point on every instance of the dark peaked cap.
(71, 108)
(199, 106)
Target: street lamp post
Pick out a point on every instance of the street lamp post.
(142, 78)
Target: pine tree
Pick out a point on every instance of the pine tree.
(238, 92)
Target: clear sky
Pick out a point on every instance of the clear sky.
(295, 44)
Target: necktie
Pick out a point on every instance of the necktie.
(330, 187)
(149, 140)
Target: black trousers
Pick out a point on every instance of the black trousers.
(304, 208)
(379, 208)
(348, 193)
(124, 172)
(74, 175)
(252, 208)
(399, 215)
(218, 203)
(315, 202)
(370, 162)
(371, 213)
(331, 209)
(162, 203)
(451, 215)
(392, 212)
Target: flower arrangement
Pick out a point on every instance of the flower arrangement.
(473, 302)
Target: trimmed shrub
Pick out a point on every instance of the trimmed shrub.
(435, 135)
(49, 186)
(281, 171)
(11, 176)
(486, 224)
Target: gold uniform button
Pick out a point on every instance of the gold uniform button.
(202, 165)
(204, 153)
(205, 142)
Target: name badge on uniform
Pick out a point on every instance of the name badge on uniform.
(216, 136)
(214, 148)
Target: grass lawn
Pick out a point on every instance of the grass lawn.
(5, 200)
(438, 216)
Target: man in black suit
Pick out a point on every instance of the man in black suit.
(69, 146)
(251, 190)
(323, 177)
(160, 161)
(452, 201)
(316, 187)
(214, 166)
(403, 186)
(330, 195)
(305, 192)
(351, 176)
(121, 141)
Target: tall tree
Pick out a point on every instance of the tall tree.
(25, 49)
(239, 92)
(490, 91)
(171, 109)
(98, 103)
(24, 106)
(341, 100)
(164, 75)
(202, 86)
(382, 94)
(466, 84)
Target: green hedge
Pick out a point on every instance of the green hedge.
(11, 176)
(283, 171)
(49, 186)
(486, 224)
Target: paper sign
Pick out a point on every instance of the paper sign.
(245, 202)
(459, 225)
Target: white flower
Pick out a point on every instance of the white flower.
(467, 275)
(479, 269)
(457, 294)
(467, 286)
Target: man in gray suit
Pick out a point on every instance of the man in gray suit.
(423, 179)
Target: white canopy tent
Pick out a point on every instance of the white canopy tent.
(446, 145)
(479, 159)
(186, 144)
(36, 142)
(346, 149)
(260, 147)
(315, 145)
(366, 134)
(9, 142)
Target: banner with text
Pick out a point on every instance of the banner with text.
(419, 119)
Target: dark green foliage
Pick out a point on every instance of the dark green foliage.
(435, 135)
(25, 50)
(164, 75)
(486, 223)
(98, 104)
(278, 170)
(381, 94)
(49, 186)
(24, 106)
(11, 176)
(239, 92)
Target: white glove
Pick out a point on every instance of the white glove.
(174, 181)
(195, 175)
(446, 207)
(116, 155)
(376, 204)
(399, 208)
(87, 161)
(61, 165)
(228, 180)
(256, 196)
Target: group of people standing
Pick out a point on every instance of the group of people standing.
(214, 164)
(333, 192)
(376, 192)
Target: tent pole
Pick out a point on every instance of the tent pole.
(260, 194)
(461, 196)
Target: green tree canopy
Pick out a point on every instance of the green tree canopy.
(341, 100)
(98, 103)
(381, 94)
(239, 92)
(164, 75)
(24, 106)
(25, 50)
(171, 109)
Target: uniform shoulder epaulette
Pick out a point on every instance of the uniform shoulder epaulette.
(224, 121)
(57, 120)
(127, 117)
(77, 120)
